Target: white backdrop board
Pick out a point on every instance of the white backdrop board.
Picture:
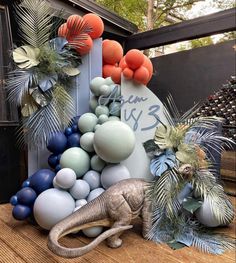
(140, 109)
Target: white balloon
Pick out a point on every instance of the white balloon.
(101, 109)
(55, 185)
(95, 85)
(65, 178)
(112, 174)
(51, 206)
(80, 189)
(81, 202)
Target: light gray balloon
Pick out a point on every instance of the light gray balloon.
(97, 127)
(87, 122)
(86, 141)
(93, 231)
(101, 109)
(93, 179)
(109, 81)
(95, 193)
(113, 118)
(80, 203)
(51, 206)
(65, 178)
(80, 189)
(93, 103)
(55, 185)
(97, 163)
(95, 85)
(105, 90)
(112, 174)
(102, 118)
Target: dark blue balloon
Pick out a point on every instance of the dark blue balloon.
(53, 160)
(74, 128)
(26, 183)
(68, 131)
(57, 143)
(58, 168)
(76, 119)
(59, 157)
(14, 200)
(42, 180)
(26, 196)
(73, 140)
(21, 212)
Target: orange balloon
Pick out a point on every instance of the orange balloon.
(75, 24)
(128, 73)
(112, 52)
(107, 70)
(116, 75)
(83, 43)
(95, 23)
(134, 58)
(63, 30)
(122, 63)
(141, 75)
(148, 65)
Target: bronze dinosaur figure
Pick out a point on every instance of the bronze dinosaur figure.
(114, 208)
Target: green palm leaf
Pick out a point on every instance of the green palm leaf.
(34, 18)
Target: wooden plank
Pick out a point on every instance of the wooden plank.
(7, 255)
(219, 22)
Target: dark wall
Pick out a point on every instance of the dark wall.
(190, 76)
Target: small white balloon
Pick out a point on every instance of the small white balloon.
(80, 189)
(95, 193)
(55, 185)
(113, 118)
(93, 103)
(93, 231)
(87, 122)
(95, 85)
(97, 127)
(112, 174)
(81, 202)
(102, 118)
(105, 90)
(65, 178)
(109, 81)
(97, 163)
(93, 178)
(86, 141)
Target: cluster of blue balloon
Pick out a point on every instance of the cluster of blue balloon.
(24, 199)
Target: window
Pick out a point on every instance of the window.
(7, 112)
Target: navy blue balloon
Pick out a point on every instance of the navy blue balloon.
(14, 200)
(57, 143)
(26, 196)
(76, 119)
(73, 140)
(57, 168)
(42, 180)
(53, 160)
(68, 131)
(21, 212)
(59, 157)
(26, 183)
(74, 128)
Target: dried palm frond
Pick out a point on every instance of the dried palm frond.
(35, 21)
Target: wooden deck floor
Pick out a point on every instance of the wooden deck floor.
(22, 242)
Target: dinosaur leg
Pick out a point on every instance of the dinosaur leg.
(121, 213)
(146, 217)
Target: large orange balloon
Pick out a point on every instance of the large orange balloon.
(112, 52)
(122, 63)
(134, 58)
(141, 75)
(95, 23)
(107, 70)
(148, 65)
(75, 24)
(83, 43)
(63, 30)
(116, 75)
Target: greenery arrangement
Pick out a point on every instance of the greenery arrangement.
(43, 74)
(185, 180)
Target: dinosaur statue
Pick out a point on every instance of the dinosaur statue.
(115, 208)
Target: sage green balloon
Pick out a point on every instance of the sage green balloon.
(102, 118)
(97, 126)
(108, 81)
(97, 164)
(93, 103)
(86, 141)
(87, 122)
(95, 85)
(101, 109)
(114, 108)
(113, 118)
(114, 141)
(77, 159)
(105, 90)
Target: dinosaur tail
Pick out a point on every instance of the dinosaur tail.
(92, 214)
